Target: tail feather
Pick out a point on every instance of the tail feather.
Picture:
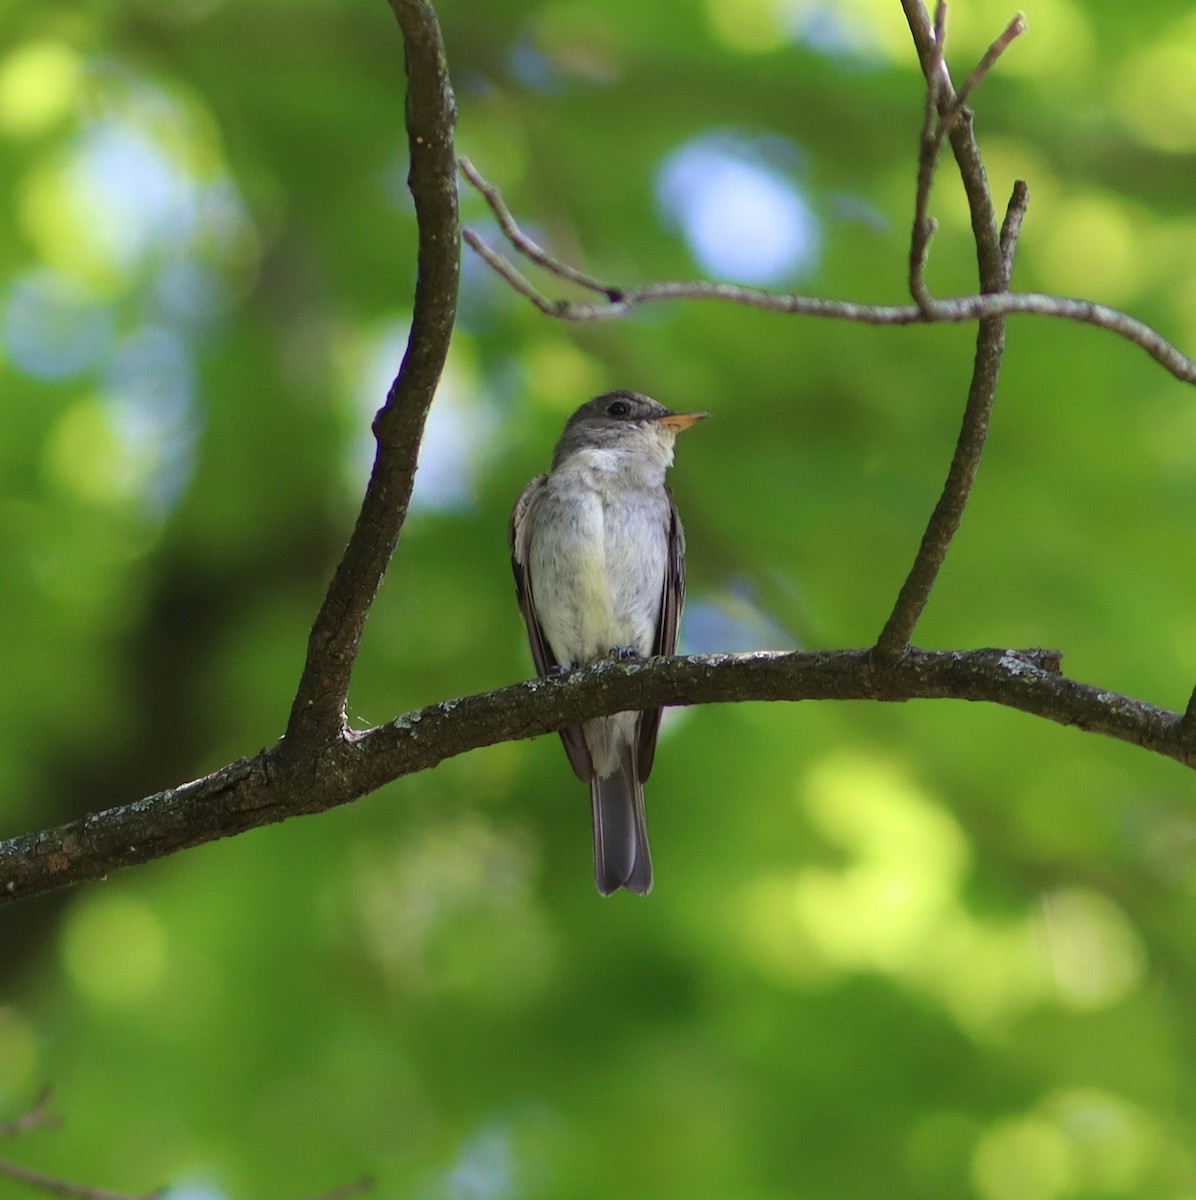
(621, 856)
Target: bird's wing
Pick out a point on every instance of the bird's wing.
(671, 602)
(519, 533)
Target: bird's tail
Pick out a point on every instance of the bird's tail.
(621, 857)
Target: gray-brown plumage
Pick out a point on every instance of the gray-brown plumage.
(599, 558)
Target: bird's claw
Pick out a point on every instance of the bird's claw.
(624, 653)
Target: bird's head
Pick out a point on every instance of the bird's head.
(626, 421)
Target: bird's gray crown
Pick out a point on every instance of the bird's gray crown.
(607, 420)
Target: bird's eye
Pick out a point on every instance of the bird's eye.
(620, 408)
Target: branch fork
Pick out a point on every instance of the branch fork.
(321, 763)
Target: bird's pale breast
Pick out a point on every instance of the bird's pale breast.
(598, 556)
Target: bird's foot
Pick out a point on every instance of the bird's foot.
(624, 653)
(556, 671)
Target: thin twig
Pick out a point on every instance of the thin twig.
(526, 245)
(1011, 227)
(944, 108)
(69, 1191)
(951, 310)
(524, 286)
(930, 142)
(37, 1117)
(1189, 717)
(940, 34)
(1015, 28)
(358, 1187)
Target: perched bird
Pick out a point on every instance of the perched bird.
(599, 559)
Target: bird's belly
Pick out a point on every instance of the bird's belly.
(598, 571)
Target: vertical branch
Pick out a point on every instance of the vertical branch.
(318, 712)
(994, 262)
(929, 144)
(1011, 227)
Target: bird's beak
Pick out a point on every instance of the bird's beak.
(679, 421)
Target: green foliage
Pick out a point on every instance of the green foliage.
(929, 951)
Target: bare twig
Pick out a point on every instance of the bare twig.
(359, 1187)
(1011, 227)
(38, 1116)
(526, 245)
(940, 37)
(948, 512)
(517, 279)
(1015, 28)
(53, 1186)
(318, 712)
(953, 310)
(929, 143)
(61, 1187)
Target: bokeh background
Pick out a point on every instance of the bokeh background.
(932, 950)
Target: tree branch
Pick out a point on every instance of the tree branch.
(930, 142)
(954, 310)
(622, 299)
(253, 792)
(52, 1186)
(1011, 227)
(358, 1187)
(318, 712)
(1015, 28)
(994, 256)
(39, 1117)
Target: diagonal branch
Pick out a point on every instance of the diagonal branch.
(526, 245)
(39, 1117)
(1015, 28)
(318, 712)
(63, 1188)
(252, 792)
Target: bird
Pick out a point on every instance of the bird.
(598, 552)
